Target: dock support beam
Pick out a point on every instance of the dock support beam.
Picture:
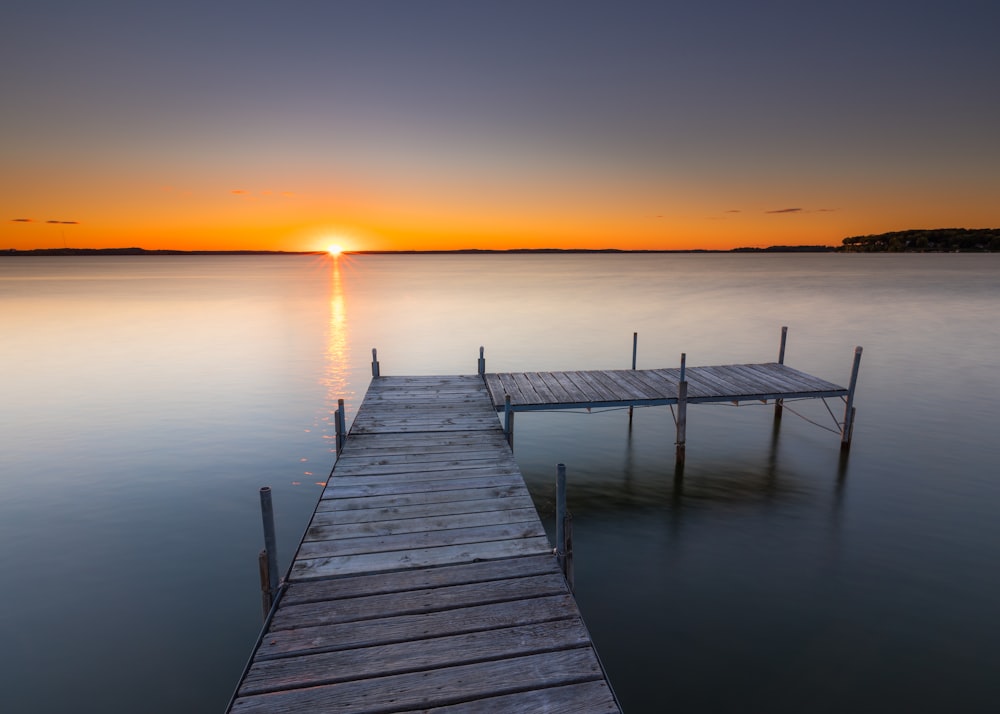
(482, 362)
(375, 368)
(635, 348)
(847, 432)
(564, 528)
(339, 423)
(781, 360)
(682, 404)
(270, 552)
(508, 421)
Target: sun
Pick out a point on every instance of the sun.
(334, 250)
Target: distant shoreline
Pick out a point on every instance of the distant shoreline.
(932, 240)
(461, 251)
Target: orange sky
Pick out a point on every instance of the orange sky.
(562, 125)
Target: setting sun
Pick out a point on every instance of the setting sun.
(334, 250)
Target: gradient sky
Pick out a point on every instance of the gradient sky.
(463, 124)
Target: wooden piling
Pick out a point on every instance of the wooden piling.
(265, 582)
(569, 571)
(561, 516)
(635, 349)
(340, 426)
(682, 393)
(781, 360)
(847, 431)
(375, 367)
(508, 422)
(564, 528)
(270, 547)
(482, 362)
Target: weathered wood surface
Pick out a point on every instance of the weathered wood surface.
(623, 387)
(425, 581)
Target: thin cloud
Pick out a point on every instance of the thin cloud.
(804, 210)
(265, 193)
(65, 223)
(22, 220)
(734, 210)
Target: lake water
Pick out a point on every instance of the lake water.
(146, 399)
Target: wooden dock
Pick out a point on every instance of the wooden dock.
(425, 581)
(537, 391)
(513, 392)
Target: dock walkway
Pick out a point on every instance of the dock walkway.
(535, 391)
(425, 580)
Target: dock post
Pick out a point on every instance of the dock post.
(849, 412)
(561, 516)
(564, 528)
(265, 583)
(508, 421)
(341, 427)
(568, 536)
(683, 367)
(635, 347)
(375, 369)
(271, 549)
(682, 395)
(482, 362)
(781, 360)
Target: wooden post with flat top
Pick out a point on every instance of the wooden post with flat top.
(847, 431)
(781, 360)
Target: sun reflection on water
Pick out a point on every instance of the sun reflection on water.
(336, 372)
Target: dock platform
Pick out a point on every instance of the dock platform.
(543, 391)
(425, 581)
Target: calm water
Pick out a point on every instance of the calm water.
(145, 400)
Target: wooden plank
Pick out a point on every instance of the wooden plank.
(421, 540)
(555, 387)
(423, 558)
(509, 386)
(642, 386)
(420, 472)
(574, 390)
(527, 389)
(449, 685)
(627, 387)
(403, 628)
(379, 583)
(348, 473)
(661, 382)
(423, 485)
(422, 510)
(594, 697)
(368, 662)
(587, 381)
(413, 602)
(417, 455)
(414, 499)
(368, 444)
(397, 526)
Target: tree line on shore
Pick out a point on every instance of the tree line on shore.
(937, 240)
